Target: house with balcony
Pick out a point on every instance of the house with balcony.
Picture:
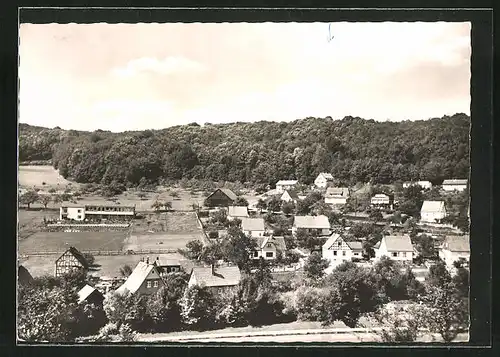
(96, 212)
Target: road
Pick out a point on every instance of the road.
(310, 335)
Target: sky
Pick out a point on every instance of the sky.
(122, 77)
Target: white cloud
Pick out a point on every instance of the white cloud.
(168, 65)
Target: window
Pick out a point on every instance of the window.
(356, 253)
(269, 254)
(269, 245)
(79, 216)
(155, 283)
(394, 254)
(148, 284)
(404, 254)
(334, 252)
(344, 253)
(256, 254)
(79, 211)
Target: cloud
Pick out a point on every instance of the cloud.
(166, 66)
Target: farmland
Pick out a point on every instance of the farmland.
(41, 176)
(60, 241)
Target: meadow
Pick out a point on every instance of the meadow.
(42, 177)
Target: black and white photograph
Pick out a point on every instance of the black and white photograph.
(270, 182)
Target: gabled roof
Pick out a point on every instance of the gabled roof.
(326, 175)
(333, 237)
(237, 211)
(138, 276)
(377, 246)
(279, 242)
(380, 195)
(77, 254)
(317, 222)
(85, 292)
(455, 182)
(292, 193)
(230, 194)
(252, 224)
(224, 276)
(355, 245)
(398, 243)
(432, 206)
(337, 191)
(457, 244)
(287, 182)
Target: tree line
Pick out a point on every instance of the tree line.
(352, 149)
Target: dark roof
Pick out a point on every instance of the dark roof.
(23, 275)
(224, 276)
(355, 245)
(78, 255)
(86, 291)
(457, 243)
(230, 194)
(293, 194)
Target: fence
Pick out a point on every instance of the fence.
(104, 252)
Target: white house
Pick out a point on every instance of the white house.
(432, 211)
(283, 185)
(323, 179)
(395, 247)
(96, 212)
(268, 247)
(336, 250)
(313, 224)
(426, 185)
(253, 226)
(239, 212)
(454, 185)
(455, 248)
(382, 200)
(336, 196)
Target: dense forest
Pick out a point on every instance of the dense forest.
(352, 149)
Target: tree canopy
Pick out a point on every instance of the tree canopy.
(352, 149)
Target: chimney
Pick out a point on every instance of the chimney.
(147, 260)
(213, 269)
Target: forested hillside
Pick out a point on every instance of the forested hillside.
(352, 149)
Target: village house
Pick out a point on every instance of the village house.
(220, 280)
(432, 211)
(283, 185)
(323, 179)
(336, 250)
(268, 247)
(426, 185)
(290, 196)
(397, 248)
(312, 224)
(254, 227)
(145, 279)
(221, 197)
(96, 212)
(336, 196)
(239, 212)
(23, 276)
(71, 260)
(454, 185)
(455, 248)
(167, 266)
(382, 200)
(91, 295)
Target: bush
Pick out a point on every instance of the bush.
(309, 303)
(213, 234)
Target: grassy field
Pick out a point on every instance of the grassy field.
(153, 241)
(36, 176)
(60, 241)
(106, 266)
(31, 221)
